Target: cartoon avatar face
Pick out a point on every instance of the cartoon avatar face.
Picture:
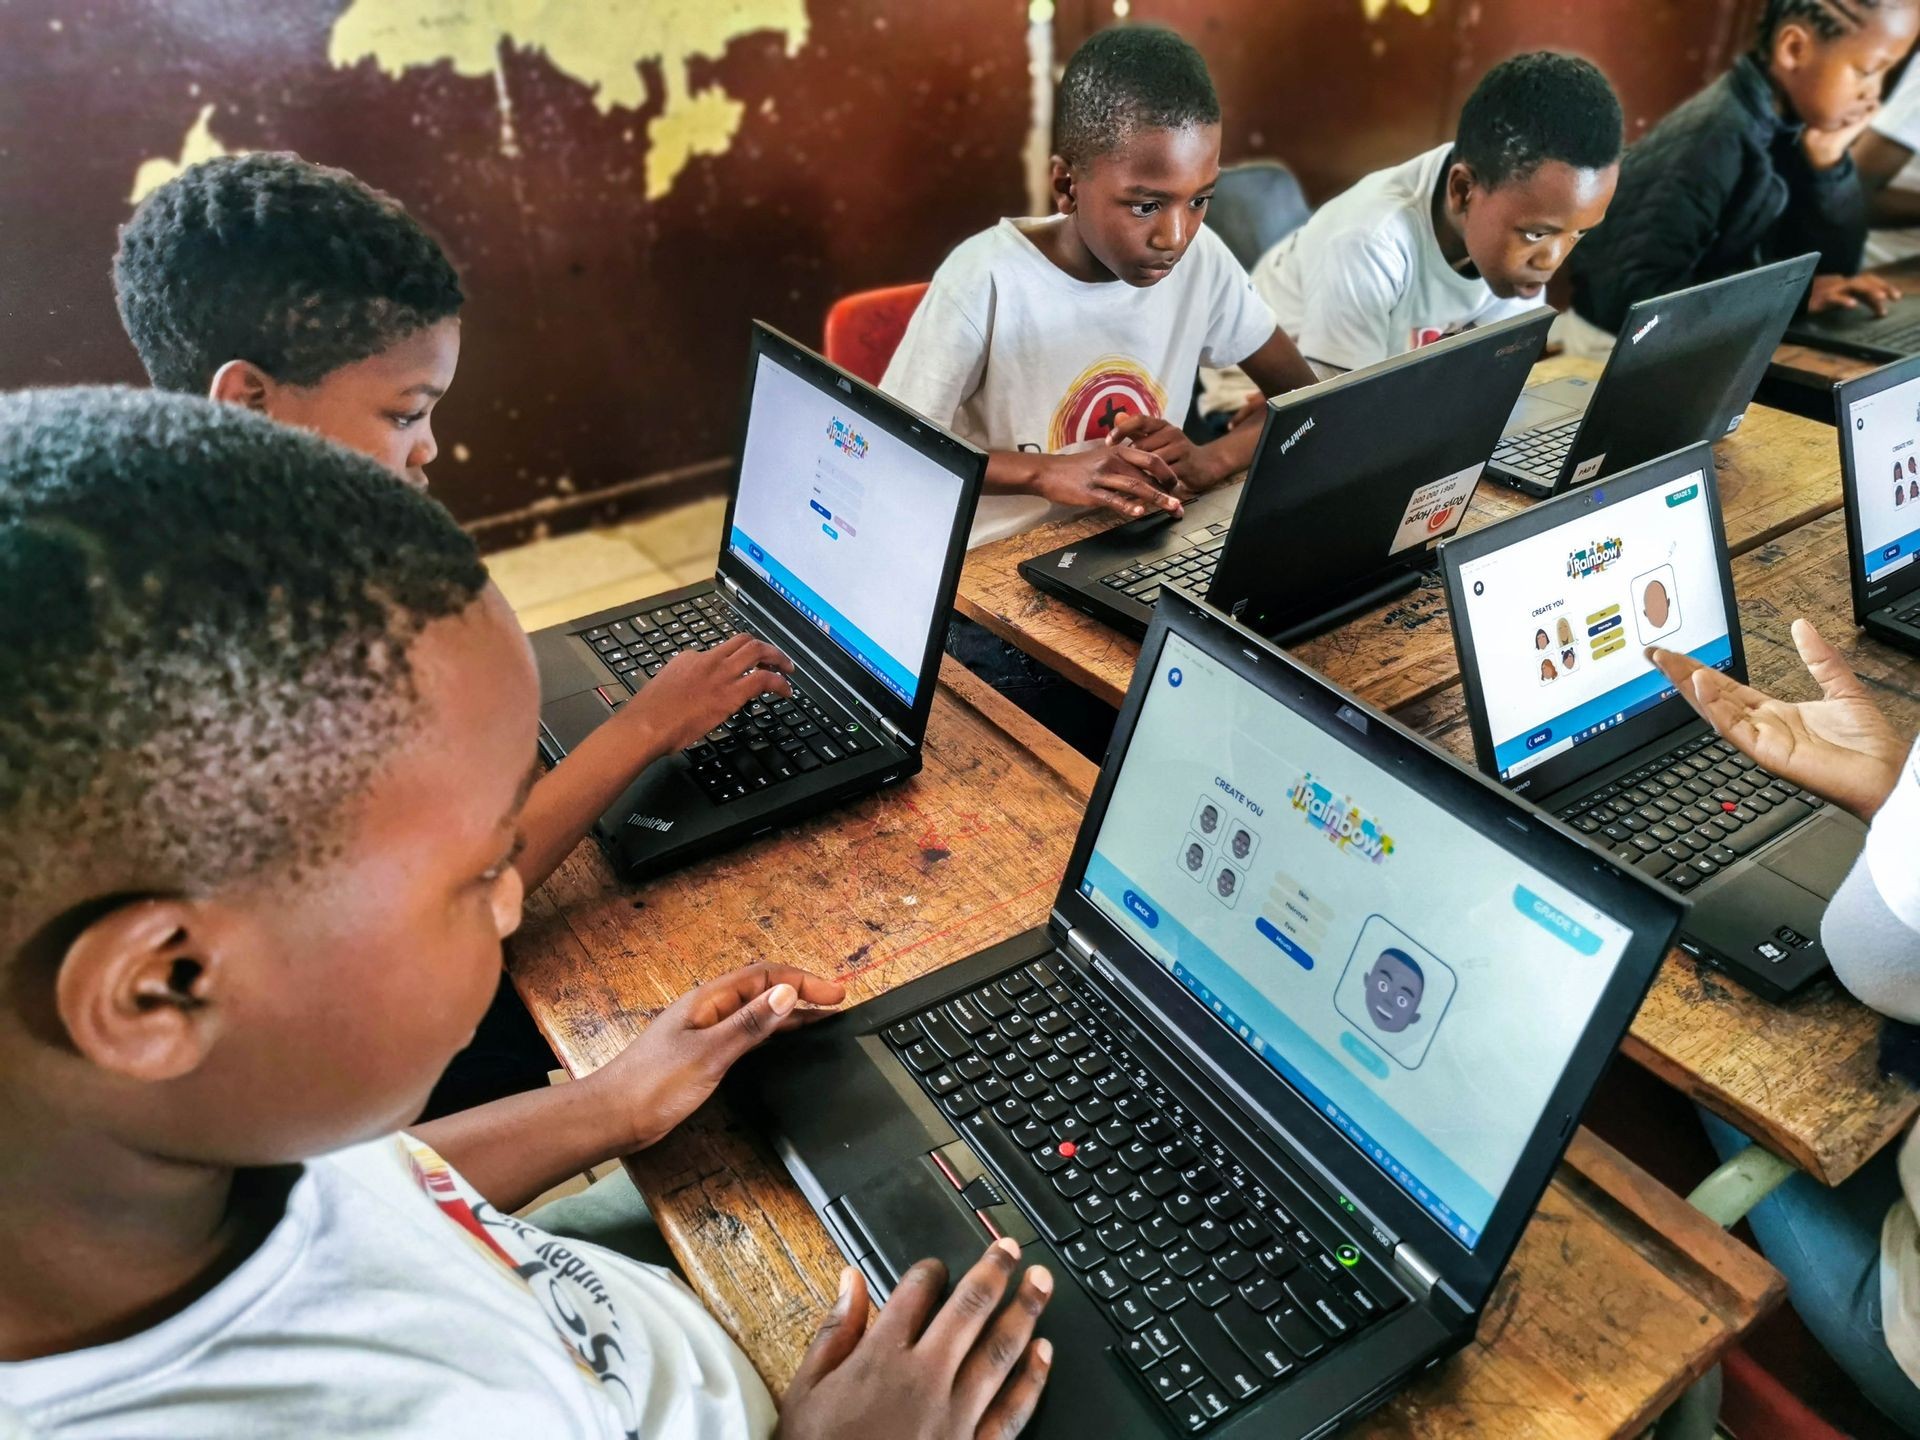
(1209, 819)
(1394, 987)
(1565, 631)
(1196, 857)
(1540, 641)
(1655, 603)
(1242, 844)
(1224, 882)
(1913, 489)
(1547, 672)
(1566, 659)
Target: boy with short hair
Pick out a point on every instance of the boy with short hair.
(1466, 234)
(256, 849)
(1067, 346)
(1756, 167)
(299, 291)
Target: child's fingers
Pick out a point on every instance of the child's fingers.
(1826, 665)
(838, 1335)
(1148, 464)
(958, 1324)
(1000, 1349)
(1017, 1400)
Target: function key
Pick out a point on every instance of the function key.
(901, 1033)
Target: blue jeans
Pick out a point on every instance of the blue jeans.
(1084, 722)
(1826, 1241)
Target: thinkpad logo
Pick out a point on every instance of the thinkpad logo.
(1066, 560)
(1642, 332)
(650, 822)
(1294, 439)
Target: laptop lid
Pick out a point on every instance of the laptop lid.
(1684, 367)
(1553, 609)
(1878, 417)
(1359, 473)
(1409, 979)
(848, 521)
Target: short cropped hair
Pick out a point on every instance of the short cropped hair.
(205, 638)
(296, 267)
(1127, 79)
(1534, 108)
(1828, 19)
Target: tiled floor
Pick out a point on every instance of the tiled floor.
(554, 580)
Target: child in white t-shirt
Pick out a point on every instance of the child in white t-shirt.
(1464, 235)
(1067, 347)
(1885, 155)
(256, 863)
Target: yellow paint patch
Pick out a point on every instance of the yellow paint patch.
(199, 145)
(1376, 8)
(602, 46)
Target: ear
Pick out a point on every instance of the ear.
(1060, 185)
(242, 383)
(140, 989)
(1793, 43)
(1460, 183)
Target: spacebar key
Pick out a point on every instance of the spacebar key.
(1050, 1213)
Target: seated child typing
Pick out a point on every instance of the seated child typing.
(1755, 167)
(256, 864)
(1067, 347)
(300, 292)
(1464, 235)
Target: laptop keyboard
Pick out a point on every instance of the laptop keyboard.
(1192, 567)
(1908, 616)
(1540, 452)
(1221, 1292)
(1689, 814)
(768, 741)
(1902, 334)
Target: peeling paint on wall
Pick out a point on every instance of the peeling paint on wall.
(601, 46)
(199, 144)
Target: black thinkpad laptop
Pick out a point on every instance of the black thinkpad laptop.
(1878, 417)
(1861, 333)
(1553, 610)
(1277, 1088)
(844, 538)
(1682, 372)
(1352, 481)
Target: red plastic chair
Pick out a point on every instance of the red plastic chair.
(864, 329)
(1754, 1405)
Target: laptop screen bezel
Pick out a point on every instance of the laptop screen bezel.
(1230, 1069)
(1260, 511)
(1771, 292)
(1670, 714)
(965, 462)
(1846, 394)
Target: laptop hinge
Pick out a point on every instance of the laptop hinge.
(900, 737)
(1081, 946)
(1415, 1265)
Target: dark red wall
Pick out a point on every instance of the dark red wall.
(604, 336)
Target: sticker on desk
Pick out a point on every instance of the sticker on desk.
(1589, 468)
(1435, 509)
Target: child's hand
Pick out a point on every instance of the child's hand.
(668, 1073)
(697, 689)
(1827, 148)
(1845, 292)
(1156, 435)
(1839, 746)
(954, 1374)
(1122, 478)
(1256, 403)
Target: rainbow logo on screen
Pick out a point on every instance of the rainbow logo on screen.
(1598, 555)
(1344, 823)
(844, 438)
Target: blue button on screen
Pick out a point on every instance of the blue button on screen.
(1551, 918)
(1174, 677)
(1279, 937)
(1148, 916)
(1539, 738)
(825, 514)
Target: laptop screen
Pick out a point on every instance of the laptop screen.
(1420, 985)
(1884, 431)
(1561, 619)
(848, 523)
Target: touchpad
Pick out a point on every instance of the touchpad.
(1534, 410)
(1818, 855)
(912, 1212)
(567, 666)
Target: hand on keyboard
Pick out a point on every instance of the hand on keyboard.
(959, 1372)
(1121, 478)
(697, 689)
(1839, 746)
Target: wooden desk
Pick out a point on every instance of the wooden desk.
(1776, 472)
(1802, 1079)
(1618, 1296)
(1817, 371)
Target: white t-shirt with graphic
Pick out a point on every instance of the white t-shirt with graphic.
(1012, 353)
(390, 1301)
(1364, 280)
